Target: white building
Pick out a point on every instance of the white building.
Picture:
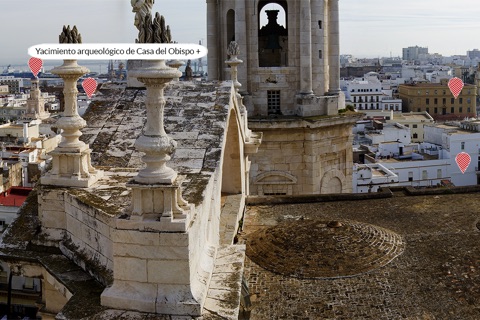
(396, 164)
(369, 93)
(429, 163)
(390, 132)
(364, 93)
(415, 121)
(14, 84)
(450, 140)
(371, 177)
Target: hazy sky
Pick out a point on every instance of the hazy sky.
(377, 27)
(368, 27)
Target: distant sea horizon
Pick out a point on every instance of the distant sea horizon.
(99, 66)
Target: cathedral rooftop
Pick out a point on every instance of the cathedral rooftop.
(436, 277)
(195, 115)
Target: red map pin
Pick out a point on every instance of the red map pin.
(35, 65)
(456, 86)
(463, 161)
(89, 85)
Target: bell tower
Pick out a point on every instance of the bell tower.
(290, 49)
(36, 103)
(291, 87)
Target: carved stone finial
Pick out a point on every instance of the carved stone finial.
(141, 8)
(149, 31)
(233, 49)
(70, 36)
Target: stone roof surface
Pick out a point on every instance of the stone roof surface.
(195, 117)
(436, 277)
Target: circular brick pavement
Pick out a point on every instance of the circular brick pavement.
(310, 249)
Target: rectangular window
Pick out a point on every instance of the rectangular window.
(435, 110)
(319, 24)
(462, 146)
(320, 54)
(444, 100)
(435, 101)
(424, 174)
(452, 100)
(460, 100)
(460, 110)
(428, 110)
(410, 176)
(414, 126)
(439, 173)
(427, 101)
(273, 101)
(452, 110)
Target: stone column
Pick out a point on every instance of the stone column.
(334, 47)
(305, 48)
(241, 39)
(71, 164)
(212, 39)
(319, 82)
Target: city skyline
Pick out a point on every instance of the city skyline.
(378, 28)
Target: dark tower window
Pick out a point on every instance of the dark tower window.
(272, 34)
(273, 101)
(230, 26)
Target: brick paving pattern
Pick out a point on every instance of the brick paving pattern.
(437, 276)
(312, 248)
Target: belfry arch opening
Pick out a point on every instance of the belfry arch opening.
(272, 33)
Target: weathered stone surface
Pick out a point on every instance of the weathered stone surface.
(436, 277)
(194, 117)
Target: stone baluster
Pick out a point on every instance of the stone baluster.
(176, 64)
(71, 163)
(156, 194)
(154, 141)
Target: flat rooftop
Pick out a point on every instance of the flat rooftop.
(455, 129)
(413, 116)
(195, 115)
(436, 277)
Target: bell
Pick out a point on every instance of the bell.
(272, 42)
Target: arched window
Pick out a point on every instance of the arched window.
(272, 33)
(230, 26)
